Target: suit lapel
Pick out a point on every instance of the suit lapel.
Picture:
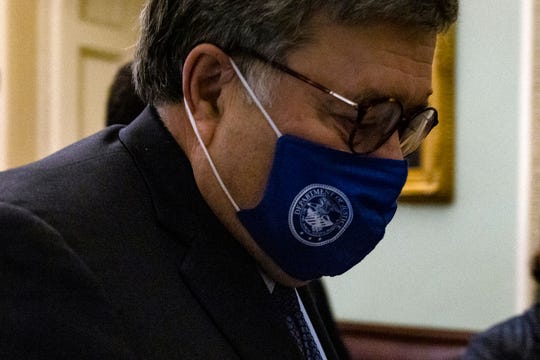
(225, 280)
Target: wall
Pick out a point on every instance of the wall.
(460, 265)
(57, 60)
(81, 43)
(18, 73)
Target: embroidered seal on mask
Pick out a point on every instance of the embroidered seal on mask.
(319, 214)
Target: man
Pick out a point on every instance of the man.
(271, 154)
(124, 104)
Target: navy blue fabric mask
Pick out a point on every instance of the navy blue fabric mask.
(323, 210)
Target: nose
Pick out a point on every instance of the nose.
(391, 149)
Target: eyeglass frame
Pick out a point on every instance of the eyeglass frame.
(361, 110)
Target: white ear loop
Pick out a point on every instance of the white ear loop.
(257, 102)
(207, 154)
(199, 138)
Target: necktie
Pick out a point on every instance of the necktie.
(289, 308)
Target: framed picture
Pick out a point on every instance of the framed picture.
(431, 167)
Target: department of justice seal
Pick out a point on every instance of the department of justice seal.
(319, 214)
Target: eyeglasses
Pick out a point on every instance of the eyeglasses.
(374, 124)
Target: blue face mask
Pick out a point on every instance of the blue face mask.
(323, 210)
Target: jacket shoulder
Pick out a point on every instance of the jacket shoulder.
(51, 304)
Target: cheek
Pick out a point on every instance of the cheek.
(244, 152)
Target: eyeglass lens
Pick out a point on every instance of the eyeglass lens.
(376, 124)
(416, 130)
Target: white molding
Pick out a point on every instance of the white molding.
(524, 288)
(64, 41)
(3, 86)
(50, 75)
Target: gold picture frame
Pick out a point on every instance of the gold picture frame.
(431, 174)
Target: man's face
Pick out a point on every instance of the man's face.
(364, 64)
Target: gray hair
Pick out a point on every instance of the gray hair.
(171, 28)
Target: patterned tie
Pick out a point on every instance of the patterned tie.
(289, 308)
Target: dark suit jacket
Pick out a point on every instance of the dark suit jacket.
(108, 251)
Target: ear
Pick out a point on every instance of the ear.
(206, 70)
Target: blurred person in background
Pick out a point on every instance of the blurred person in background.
(123, 103)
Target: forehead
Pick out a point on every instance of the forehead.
(375, 60)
